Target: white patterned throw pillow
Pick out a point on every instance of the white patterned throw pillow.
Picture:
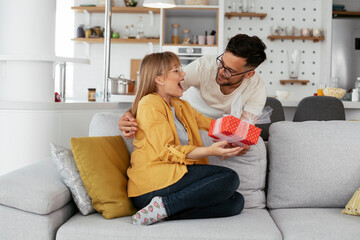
(65, 163)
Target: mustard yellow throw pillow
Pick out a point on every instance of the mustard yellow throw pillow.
(353, 206)
(102, 163)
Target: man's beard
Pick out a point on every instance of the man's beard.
(228, 83)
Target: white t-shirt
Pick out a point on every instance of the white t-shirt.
(201, 74)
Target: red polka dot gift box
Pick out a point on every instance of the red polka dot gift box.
(234, 130)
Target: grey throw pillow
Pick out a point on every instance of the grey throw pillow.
(65, 163)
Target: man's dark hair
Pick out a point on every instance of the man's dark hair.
(250, 48)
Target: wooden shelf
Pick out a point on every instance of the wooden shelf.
(189, 45)
(118, 40)
(116, 9)
(302, 82)
(236, 14)
(345, 14)
(315, 39)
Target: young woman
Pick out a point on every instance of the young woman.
(169, 176)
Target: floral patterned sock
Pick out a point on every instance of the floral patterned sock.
(152, 213)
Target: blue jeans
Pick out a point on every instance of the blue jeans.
(205, 191)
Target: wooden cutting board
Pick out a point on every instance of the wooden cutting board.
(134, 67)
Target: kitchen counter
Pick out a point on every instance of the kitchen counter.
(294, 103)
(116, 102)
(352, 109)
(70, 105)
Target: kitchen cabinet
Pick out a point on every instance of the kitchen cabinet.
(197, 19)
(124, 10)
(201, 21)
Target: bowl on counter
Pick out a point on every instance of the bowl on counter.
(334, 92)
(282, 95)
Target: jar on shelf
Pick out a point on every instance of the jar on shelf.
(140, 28)
(126, 32)
(88, 32)
(98, 31)
(251, 6)
(245, 5)
(186, 36)
(175, 33)
(92, 94)
(80, 33)
(132, 32)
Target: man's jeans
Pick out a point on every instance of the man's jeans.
(205, 191)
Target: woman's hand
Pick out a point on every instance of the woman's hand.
(221, 149)
(128, 125)
(224, 150)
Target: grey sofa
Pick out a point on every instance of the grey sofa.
(312, 171)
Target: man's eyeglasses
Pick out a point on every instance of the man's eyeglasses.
(227, 71)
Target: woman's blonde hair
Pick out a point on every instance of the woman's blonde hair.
(152, 65)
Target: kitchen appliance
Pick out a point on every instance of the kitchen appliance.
(345, 59)
(187, 54)
(195, 22)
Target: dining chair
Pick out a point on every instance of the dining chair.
(276, 116)
(319, 108)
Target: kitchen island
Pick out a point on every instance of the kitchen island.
(27, 128)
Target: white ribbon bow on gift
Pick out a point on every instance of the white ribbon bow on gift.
(243, 127)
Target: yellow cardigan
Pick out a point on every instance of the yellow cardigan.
(159, 159)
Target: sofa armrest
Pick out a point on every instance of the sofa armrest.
(36, 188)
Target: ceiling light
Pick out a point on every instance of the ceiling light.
(159, 3)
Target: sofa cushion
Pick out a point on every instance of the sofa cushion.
(65, 163)
(36, 188)
(251, 224)
(106, 124)
(102, 163)
(313, 163)
(251, 169)
(17, 224)
(316, 223)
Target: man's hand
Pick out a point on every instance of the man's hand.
(128, 125)
(244, 150)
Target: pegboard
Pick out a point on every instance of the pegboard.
(300, 14)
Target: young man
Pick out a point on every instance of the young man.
(221, 80)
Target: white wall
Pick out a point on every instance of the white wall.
(315, 62)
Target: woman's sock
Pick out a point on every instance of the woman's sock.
(152, 213)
